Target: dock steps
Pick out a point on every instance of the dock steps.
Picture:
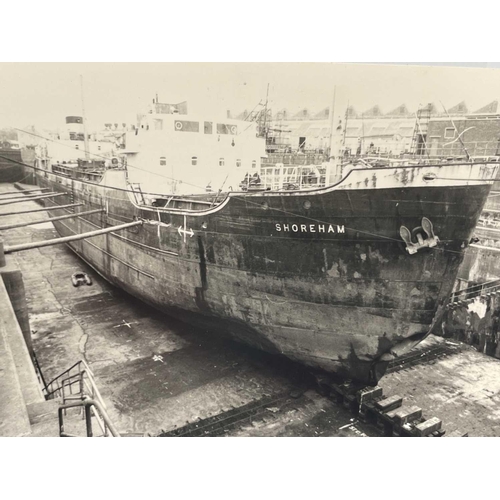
(14, 419)
(19, 386)
(43, 418)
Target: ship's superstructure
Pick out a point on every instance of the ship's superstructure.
(180, 153)
(68, 146)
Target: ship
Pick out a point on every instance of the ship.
(342, 277)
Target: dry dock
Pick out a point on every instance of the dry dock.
(162, 377)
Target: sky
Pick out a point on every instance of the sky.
(42, 94)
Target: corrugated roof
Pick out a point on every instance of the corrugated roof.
(323, 114)
(401, 110)
(492, 107)
(302, 114)
(374, 111)
(351, 112)
(459, 109)
(382, 127)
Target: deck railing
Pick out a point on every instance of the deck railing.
(482, 289)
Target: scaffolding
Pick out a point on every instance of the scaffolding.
(418, 143)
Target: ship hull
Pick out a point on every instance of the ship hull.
(322, 277)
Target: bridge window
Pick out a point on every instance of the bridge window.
(221, 162)
(208, 127)
(225, 128)
(194, 160)
(449, 133)
(186, 126)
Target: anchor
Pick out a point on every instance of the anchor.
(431, 240)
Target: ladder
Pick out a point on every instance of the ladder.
(420, 130)
(139, 196)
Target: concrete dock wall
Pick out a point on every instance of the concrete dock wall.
(19, 386)
(12, 279)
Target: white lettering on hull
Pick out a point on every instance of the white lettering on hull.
(310, 228)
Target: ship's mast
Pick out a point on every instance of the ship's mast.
(265, 113)
(85, 137)
(332, 124)
(345, 128)
(333, 167)
(362, 141)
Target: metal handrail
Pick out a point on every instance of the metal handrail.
(87, 390)
(54, 380)
(475, 291)
(38, 370)
(89, 405)
(56, 385)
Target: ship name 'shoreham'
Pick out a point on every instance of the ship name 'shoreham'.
(310, 228)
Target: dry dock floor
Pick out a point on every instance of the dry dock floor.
(157, 374)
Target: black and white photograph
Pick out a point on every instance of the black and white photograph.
(239, 256)
(220, 245)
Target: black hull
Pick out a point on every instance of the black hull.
(322, 277)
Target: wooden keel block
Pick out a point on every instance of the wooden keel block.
(338, 393)
(369, 394)
(323, 384)
(337, 388)
(405, 415)
(351, 402)
(404, 420)
(428, 427)
(389, 404)
(367, 412)
(391, 414)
